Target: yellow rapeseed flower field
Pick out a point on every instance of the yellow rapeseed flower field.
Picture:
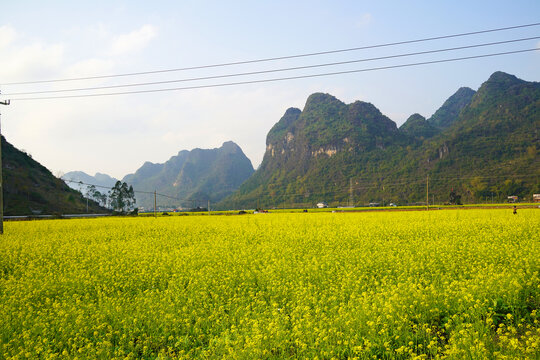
(449, 284)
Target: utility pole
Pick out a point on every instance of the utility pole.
(1, 181)
(382, 193)
(351, 199)
(427, 192)
(208, 207)
(155, 203)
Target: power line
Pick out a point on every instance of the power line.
(175, 198)
(279, 79)
(101, 186)
(378, 185)
(274, 70)
(469, 177)
(135, 191)
(280, 57)
(373, 185)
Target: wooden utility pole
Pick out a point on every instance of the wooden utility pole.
(351, 198)
(1, 181)
(155, 203)
(427, 192)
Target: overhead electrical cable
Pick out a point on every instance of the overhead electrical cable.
(278, 79)
(279, 57)
(100, 186)
(135, 191)
(271, 70)
(371, 185)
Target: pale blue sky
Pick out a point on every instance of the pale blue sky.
(116, 134)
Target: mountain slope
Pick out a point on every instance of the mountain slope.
(418, 127)
(30, 188)
(480, 144)
(316, 150)
(194, 177)
(495, 140)
(449, 111)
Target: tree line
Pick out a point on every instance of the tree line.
(121, 197)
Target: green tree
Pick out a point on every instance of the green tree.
(512, 187)
(93, 194)
(122, 197)
(455, 199)
(90, 190)
(479, 188)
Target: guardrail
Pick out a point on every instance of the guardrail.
(66, 216)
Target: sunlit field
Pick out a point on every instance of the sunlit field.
(397, 285)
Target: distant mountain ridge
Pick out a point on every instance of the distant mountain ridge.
(495, 138)
(73, 179)
(483, 144)
(480, 144)
(192, 178)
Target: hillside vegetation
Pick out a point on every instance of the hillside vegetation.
(482, 145)
(31, 189)
(192, 178)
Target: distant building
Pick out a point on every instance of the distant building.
(322, 204)
(536, 197)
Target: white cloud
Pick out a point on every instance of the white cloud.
(364, 20)
(32, 61)
(7, 35)
(133, 41)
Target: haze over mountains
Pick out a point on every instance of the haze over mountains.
(481, 144)
(74, 178)
(200, 175)
(188, 179)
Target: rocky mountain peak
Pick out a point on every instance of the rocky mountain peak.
(449, 111)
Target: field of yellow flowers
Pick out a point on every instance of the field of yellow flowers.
(449, 284)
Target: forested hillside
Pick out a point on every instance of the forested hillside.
(31, 189)
(482, 145)
(192, 178)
